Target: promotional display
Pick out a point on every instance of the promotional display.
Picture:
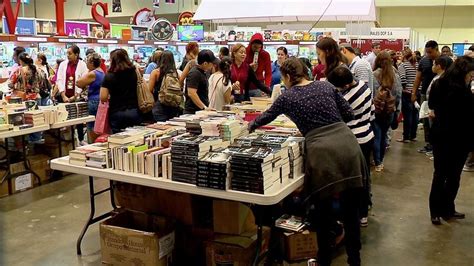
(23, 27)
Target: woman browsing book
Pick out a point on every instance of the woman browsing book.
(334, 161)
(220, 87)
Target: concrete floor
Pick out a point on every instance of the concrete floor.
(40, 226)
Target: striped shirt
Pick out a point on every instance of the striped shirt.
(407, 74)
(362, 71)
(359, 97)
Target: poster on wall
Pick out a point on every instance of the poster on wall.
(97, 31)
(116, 30)
(170, 1)
(77, 29)
(156, 3)
(45, 27)
(144, 17)
(89, 2)
(117, 6)
(23, 27)
(139, 33)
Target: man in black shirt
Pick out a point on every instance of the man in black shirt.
(197, 83)
(424, 76)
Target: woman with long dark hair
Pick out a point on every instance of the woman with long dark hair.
(452, 132)
(385, 79)
(329, 54)
(120, 89)
(334, 163)
(167, 68)
(220, 86)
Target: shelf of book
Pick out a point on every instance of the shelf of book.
(273, 196)
(73, 122)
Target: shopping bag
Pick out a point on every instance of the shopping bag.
(424, 110)
(101, 125)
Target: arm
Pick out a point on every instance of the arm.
(344, 108)
(185, 73)
(416, 84)
(277, 108)
(252, 77)
(86, 80)
(154, 76)
(149, 69)
(192, 94)
(402, 73)
(104, 94)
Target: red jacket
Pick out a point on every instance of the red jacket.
(264, 61)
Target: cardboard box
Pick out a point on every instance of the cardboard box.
(231, 217)
(135, 238)
(3, 188)
(235, 250)
(299, 246)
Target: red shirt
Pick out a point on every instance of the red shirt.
(318, 72)
(240, 74)
(70, 77)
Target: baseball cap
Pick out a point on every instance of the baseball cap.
(348, 46)
(207, 56)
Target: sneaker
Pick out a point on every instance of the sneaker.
(364, 222)
(403, 140)
(379, 168)
(429, 154)
(432, 158)
(414, 140)
(468, 168)
(424, 150)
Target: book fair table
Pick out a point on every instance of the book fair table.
(271, 197)
(24, 154)
(69, 123)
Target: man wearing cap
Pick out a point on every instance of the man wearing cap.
(197, 82)
(260, 62)
(359, 67)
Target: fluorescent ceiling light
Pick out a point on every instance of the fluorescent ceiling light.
(31, 39)
(136, 42)
(73, 40)
(107, 41)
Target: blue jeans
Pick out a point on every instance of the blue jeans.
(381, 126)
(122, 119)
(92, 106)
(164, 113)
(410, 117)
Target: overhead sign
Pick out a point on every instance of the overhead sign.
(186, 19)
(23, 27)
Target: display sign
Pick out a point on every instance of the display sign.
(23, 27)
(45, 27)
(191, 33)
(77, 29)
(116, 30)
(186, 19)
(97, 31)
(382, 33)
(144, 17)
(459, 49)
(365, 45)
(101, 19)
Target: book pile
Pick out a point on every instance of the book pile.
(213, 170)
(194, 127)
(295, 153)
(36, 118)
(232, 129)
(210, 127)
(4, 126)
(99, 159)
(252, 169)
(185, 152)
(71, 109)
(290, 223)
(82, 109)
(79, 155)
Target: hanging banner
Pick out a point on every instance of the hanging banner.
(117, 6)
(23, 27)
(77, 29)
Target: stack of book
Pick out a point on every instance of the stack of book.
(36, 118)
(210, 127)
(185, 152)
(252, 169)
(295, 154)
(71, 109)
(290, 223)
(82, 109)
(232, 129)
(194, 127)
(99, 159)
(213, 170)
(79, 155)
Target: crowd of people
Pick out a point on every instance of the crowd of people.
(345, 107)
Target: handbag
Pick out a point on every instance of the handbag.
(144, 95)
(101, 125)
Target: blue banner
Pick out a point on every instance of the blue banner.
(23, 27)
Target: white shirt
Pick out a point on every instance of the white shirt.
(371, 58)
(81, 70)
(362, 71)
(217, 90)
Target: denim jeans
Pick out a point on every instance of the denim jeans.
(125, 118)
(410, 117)
(164, 113)
(92, 106)
(381, 126)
